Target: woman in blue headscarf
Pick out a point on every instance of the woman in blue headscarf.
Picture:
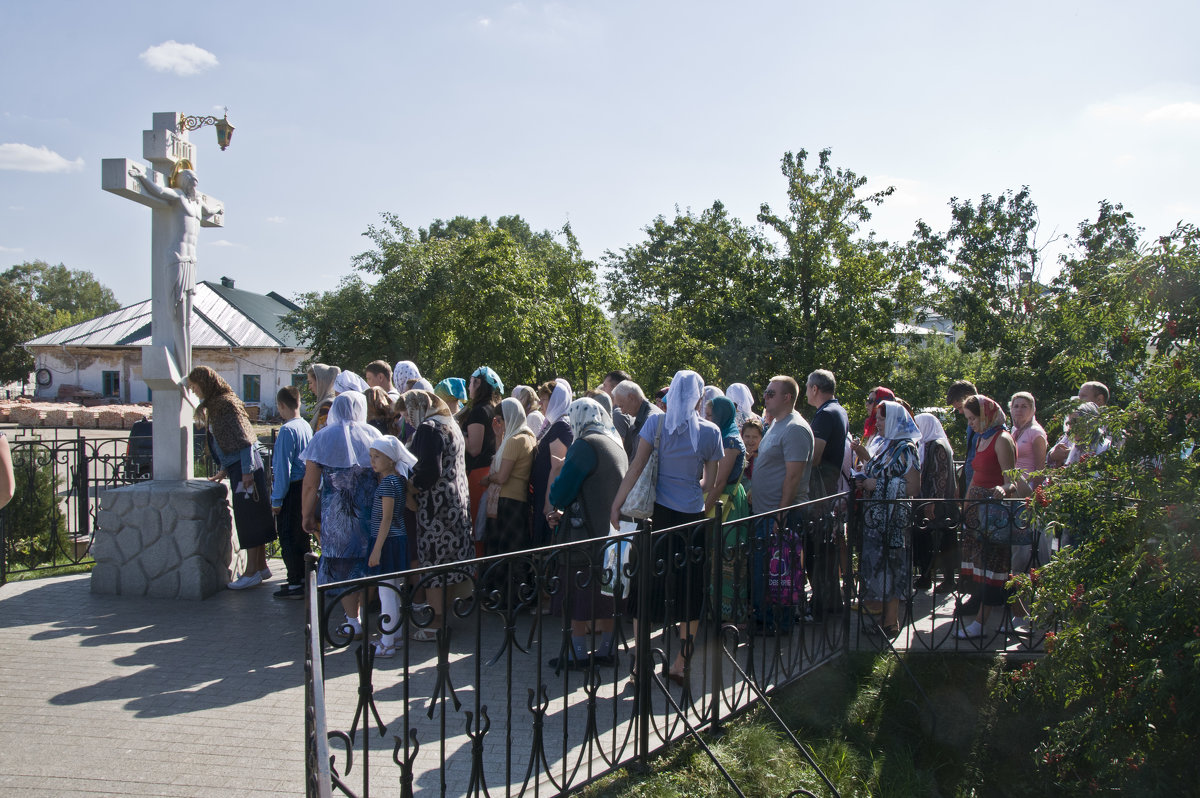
(727, 488)
(486, 391)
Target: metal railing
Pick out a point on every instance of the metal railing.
(498, 703)
(59, 477)
(488, 708)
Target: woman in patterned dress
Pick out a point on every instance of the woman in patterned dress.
(440, 482)
(338, 489)
(893, 472)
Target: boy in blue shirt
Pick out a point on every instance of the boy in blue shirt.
(288, 476)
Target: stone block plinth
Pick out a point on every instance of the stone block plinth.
(164, 539)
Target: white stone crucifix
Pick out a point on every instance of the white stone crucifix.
(178, 212)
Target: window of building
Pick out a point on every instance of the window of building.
(250, 387)
(111, 382)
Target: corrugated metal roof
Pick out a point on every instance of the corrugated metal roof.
(216, 322)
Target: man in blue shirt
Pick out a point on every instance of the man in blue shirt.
(288, 476)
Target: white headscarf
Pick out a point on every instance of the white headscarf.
(349, 381)
(560, 400)
(743, 399)
(402, 372)
(513, 413)
(931, 430)
(587, 415)
(682, 399)
(423, 385)
(346, 438)
(897, 423)
(712, 392)
(399, 454)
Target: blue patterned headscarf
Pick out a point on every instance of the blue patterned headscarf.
(724, 415)
(898, 424)
(490, 377)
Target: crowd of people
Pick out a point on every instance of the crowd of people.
(391, 472)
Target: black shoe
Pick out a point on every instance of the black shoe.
(567, 663)
(289, 592)
(924, 582)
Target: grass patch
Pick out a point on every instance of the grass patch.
(872, 731)
(57, 570)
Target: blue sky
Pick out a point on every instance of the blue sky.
(601, 114)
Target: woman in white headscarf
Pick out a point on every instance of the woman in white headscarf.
(590, 476)
(404, 374)
(440, 482)
(320, 384)
(934, 532)
(688, 449)
(338, 490)
(553, 440)
(507, 481)
(892, 473)
(529, 400)
(349, 381)
(743, 399)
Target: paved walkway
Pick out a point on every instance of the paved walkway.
(103, 695)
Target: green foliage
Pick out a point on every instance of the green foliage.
(36, 298)
(34, 527)
(461, 294)
(1127, 661)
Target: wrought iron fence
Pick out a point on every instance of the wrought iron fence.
(60, 474)
(511, 682)
(496, 702)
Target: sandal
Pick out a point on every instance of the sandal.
(383, 651)
(424, 635)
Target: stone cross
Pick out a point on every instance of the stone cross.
(177, 213)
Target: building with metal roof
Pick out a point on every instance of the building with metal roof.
(235, 332)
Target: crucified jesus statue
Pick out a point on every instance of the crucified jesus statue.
(189, 209)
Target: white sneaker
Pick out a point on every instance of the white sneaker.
(975, 629)
(245, 581)
(265, 574)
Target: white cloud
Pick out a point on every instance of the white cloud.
(276, 219)
(25, 158)
(484, 22)
(182, 59)
(1110, 111)
(221, 242)
(11, 249)
(1175, 112)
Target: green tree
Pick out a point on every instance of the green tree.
(21, 319)
(461, 294)
(69, 295)
(835, 295)
(691, 295)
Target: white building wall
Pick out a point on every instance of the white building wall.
(85, 368)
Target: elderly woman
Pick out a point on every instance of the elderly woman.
(689, 448)
(553, 441)
(986, 549)
(231, 439)
(443, 501)
(404, 375)
(338, 491)
(591, 473)
(320, 385)
(893, 472)
(934, 531)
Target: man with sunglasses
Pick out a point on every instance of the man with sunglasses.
(780, 480)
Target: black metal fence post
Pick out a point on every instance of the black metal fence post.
(83, 486)
(716, 553)
(644, 547)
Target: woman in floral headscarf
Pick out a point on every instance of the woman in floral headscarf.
(893, 472)
(986, 554)
(404, 374)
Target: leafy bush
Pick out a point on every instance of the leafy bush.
(1126, 662)
(34, 527)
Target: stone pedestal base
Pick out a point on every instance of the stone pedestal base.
(164, 539)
